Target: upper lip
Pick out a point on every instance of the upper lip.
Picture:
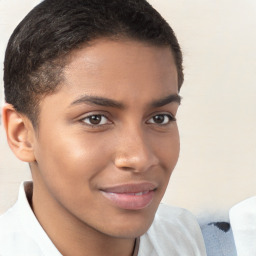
(130, 188)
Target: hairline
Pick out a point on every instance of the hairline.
(66, 59)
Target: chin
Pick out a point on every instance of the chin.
(131, 226)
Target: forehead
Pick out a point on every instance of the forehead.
(107, 61)
(130, 72)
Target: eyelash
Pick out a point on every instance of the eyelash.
(96, 116)
(170, 118)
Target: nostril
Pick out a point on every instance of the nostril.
(135, 156)
(140, 163)
(126, 168)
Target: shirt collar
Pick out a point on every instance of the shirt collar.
(29, 222)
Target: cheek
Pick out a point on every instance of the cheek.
(168, 150)
(169, 154)
(72, 159)
(69, 166)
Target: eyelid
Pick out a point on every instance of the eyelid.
(95, 113)
(171, 117)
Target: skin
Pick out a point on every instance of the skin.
(135, 140)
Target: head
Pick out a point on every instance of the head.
(92, 88)
(40, 45)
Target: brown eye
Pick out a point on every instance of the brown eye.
(95, 120)
(161, 119)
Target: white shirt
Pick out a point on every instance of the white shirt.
(174, 232)
(243, 223)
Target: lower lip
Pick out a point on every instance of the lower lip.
(130, 202)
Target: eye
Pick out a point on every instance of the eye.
(95, 120)
(161, 119)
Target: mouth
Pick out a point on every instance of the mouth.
(130, 196)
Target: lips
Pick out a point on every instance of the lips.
(130, 196)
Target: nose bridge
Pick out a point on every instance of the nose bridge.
(134, 151)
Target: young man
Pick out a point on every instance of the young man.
(91, 90)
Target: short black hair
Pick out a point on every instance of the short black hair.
(37, 50)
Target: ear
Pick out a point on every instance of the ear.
(19, 132)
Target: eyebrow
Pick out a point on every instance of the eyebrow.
(101, 101)
(167, 100)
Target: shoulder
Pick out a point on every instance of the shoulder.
(13, 240)
(9, 221)
(174, 231)
(177, 220)
(176, 217)
(218, 239)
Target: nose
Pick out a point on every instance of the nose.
(134, 152)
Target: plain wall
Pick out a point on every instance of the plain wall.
(217, 118)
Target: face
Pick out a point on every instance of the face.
(107, 140)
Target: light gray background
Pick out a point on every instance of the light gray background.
(217, 118)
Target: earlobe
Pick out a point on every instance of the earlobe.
(19, 133)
